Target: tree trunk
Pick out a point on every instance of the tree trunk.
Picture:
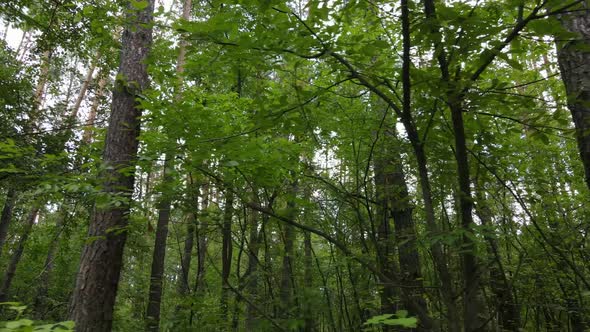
(385, 239)
(16, 256)
(226, 253)
(505, 302)
(574, 64)
(84, 88)
(40, 302)
(6, 216)
(159, 256)
(251, 275)
(308, 324)
(88, 130)
(185, 264)
(43, 77)
(202, 243)
(287, 287)
(102, 258)
(473, 307)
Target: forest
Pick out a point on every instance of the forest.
(301, 165)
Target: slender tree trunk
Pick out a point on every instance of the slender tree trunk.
(185, 264)
(155, 294)
(84, 87)
(6, 216)
(505, 301)
(251, 275)
(226, 253)
(574, 64)
(385, 238)
(287, 287)
(16, 256)
(43, 77)
(159, 255)
(473, 318)
(102, 258)
(202, 243)
(41, 297)
(308, 324)
(90, 125)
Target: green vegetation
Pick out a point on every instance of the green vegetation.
(342, 165)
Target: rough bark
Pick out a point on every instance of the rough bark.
(574, 64)
(102, 258)
(16, 256)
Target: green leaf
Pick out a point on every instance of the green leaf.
(140, 5)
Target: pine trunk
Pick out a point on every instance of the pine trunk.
(574, 64)
(102, 258)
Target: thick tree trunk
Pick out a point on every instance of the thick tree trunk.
(159, 255)
(16, 256)
(102, 258)
(226, 253)
(574, 64)
(6, 216)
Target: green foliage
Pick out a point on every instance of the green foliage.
(401, 319)
(19, 324)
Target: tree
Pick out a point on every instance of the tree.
(100, 266)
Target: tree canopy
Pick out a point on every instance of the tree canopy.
(314, 165)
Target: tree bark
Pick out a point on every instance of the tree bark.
(159, 255)
(102, 258)
(6, 216)
(574, 64)
(16, 256)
